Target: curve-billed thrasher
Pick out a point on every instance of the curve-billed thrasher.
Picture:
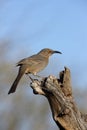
(32, 64)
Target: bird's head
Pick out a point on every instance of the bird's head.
(48, 52)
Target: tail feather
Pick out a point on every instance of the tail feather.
(15, 83)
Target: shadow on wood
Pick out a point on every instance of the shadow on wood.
(59, 94)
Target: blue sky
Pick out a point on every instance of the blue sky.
(62, 25)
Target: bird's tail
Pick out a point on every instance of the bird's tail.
(15, 83)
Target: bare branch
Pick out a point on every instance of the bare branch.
(59, 94)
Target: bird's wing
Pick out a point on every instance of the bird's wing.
(35, 59)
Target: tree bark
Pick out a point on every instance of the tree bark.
(59, 94)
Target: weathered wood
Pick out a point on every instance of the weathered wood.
(59, 94)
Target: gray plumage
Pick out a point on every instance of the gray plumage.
(33, 65)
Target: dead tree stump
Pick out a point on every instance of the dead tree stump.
(59, 94)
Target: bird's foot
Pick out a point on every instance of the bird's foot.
(37, 76)
(30, 77)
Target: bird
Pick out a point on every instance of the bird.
(32, 65)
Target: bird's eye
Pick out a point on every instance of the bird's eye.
(50, 51)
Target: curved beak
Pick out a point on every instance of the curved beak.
(57, 52)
